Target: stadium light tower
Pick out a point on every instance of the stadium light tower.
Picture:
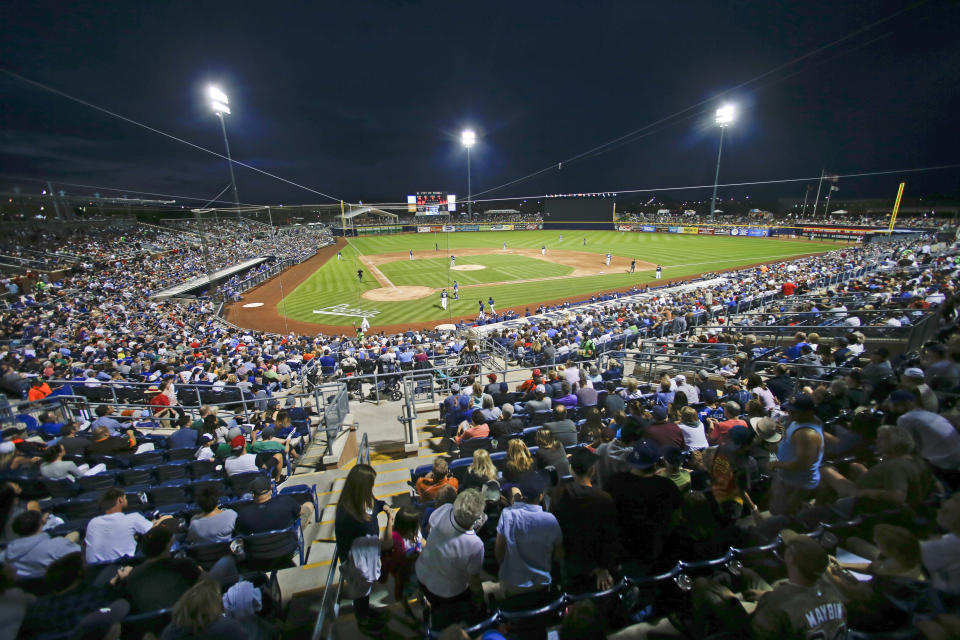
(468, 138)
(725, 116)
(220, 105)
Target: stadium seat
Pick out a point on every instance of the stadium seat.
(273, 550)
(176, 455)
(208, 553)
(147, 458)
(240, 483)
(97, 482)
(171, 471)
(136, 475)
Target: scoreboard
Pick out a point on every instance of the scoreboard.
(432, 203)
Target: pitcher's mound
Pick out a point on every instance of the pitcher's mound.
(468, 267)
(397, 294)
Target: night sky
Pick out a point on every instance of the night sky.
(365, 100)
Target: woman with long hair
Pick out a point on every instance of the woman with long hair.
(480, 472)
(679, 402)
(518, 460)
(758, 387)
(355, 521)
(550, 452)
(199, 614)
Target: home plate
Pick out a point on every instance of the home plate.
(251, 305)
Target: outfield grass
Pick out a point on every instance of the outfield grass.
(681, 255)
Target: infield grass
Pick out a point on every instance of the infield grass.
(681, 255)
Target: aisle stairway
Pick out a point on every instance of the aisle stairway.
(302, 587)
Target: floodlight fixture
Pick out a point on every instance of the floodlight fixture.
(468, 138)
(726, 115)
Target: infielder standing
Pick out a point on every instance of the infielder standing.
(453, 261)
(608, 259)
(411, 254)
(456, 290)
(443, 299)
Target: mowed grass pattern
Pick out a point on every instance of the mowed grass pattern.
(497, 268)
(681, 255)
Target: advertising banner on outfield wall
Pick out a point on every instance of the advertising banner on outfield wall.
(500, 227)
(673, 229)
(533, 227)
(841, 231)
(706, 231)
(693, 230)
(650, 228)
(721, 232)
(448, 228)
(758, 233)
(625, 227)
(469, 227)
(424, 229)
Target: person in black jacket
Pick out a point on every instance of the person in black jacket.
(506, 425)
(587, 517)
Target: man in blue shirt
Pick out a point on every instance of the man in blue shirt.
(528, 539)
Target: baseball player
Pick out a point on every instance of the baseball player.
(659, 271)
(411, 254)
(443, 299)
(456, 290)
(360, 275)
(543, 250)
(339, 256)
(609, 257)
(453, 261)
(633, 265)
(493, 311)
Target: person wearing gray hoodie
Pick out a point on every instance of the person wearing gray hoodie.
(34, 549)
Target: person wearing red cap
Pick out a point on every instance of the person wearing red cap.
(493, 386)
(239, 461)
(528, 385)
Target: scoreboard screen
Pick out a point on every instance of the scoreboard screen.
(431, 203)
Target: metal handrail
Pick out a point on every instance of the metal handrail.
(331, 592)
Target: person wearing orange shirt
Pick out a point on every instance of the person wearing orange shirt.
(38, 390)
(429, 485)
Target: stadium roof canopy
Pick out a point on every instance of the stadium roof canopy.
(360, 210)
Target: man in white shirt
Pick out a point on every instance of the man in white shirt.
(450, 566)
(112, 536)
(239, 461)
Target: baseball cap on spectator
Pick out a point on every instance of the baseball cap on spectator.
(206, 437)
(645, 455)
(238, 442)
(800, 403)
(811, 557)
(582, 460)
(97, 624)
(152, 389)
(492, 377)
(766, 429)
(913, 372)
(454, 387)
(541, 389)
(260, 486)
(267, 432)
(901, 396)
(536, 372)
(680, 378)
(659, 413)
(532, 484)
(740, 435)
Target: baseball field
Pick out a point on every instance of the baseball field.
(518, 269)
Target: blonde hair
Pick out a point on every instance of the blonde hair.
(357, 493)
(199, 606)
(519, 455)
(482, 465)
